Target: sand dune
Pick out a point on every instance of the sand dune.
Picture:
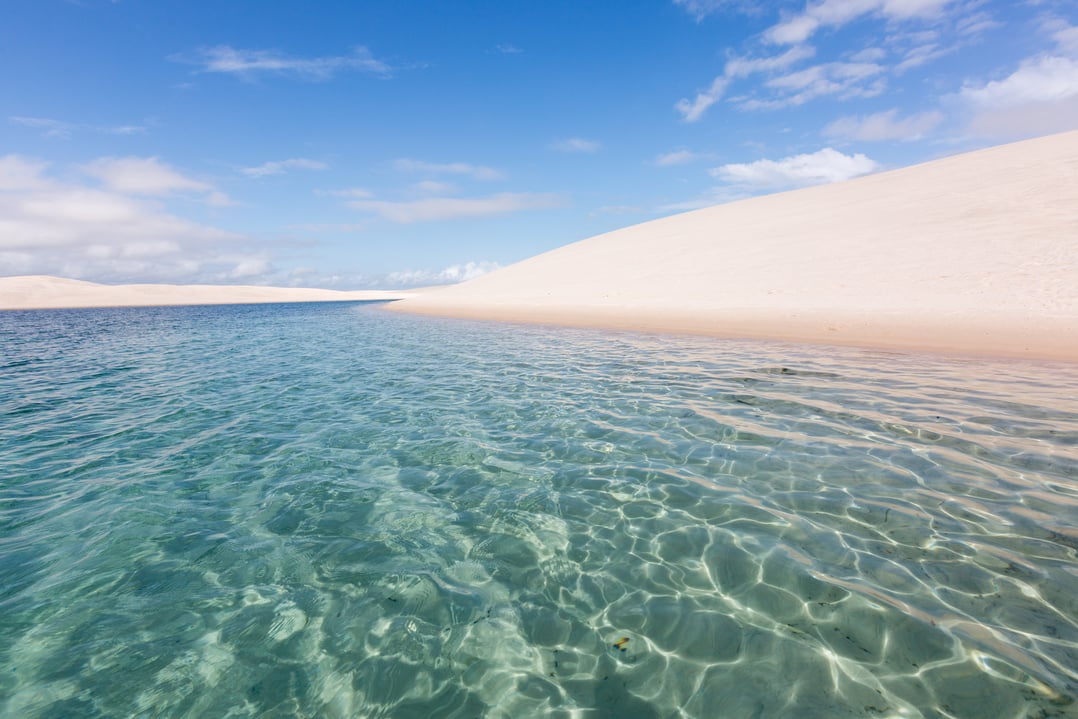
(42, 292)
(975, 253)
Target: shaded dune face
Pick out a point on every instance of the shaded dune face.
(974, 253)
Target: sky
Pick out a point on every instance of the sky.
(399, 143)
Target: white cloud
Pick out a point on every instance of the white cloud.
(793, 31)
(738, 67)
(884, 126)
(507, 49)
(1040, 97)
(450, 275)
(248, 267)
(677, 157)
(476, 172)
(22, 173)
(279, 167)
(249, 63)
(576, 144)
(822, 166)
(800, 27)
(142, 176)
(1065, 36)
(448, 208)
(1042, 79)
(219, 199)
(61, 228)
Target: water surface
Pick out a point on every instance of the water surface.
(329, 510)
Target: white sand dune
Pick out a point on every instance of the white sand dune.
(975, 253)
(42, 292)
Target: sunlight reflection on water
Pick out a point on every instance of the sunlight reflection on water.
(333, 511)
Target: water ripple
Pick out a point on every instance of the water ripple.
(332, 511)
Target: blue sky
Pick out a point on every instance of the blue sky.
(381, 144)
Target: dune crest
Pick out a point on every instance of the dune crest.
(974, 253)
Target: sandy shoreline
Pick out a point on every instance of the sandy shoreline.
(974, 254)
(43, 292)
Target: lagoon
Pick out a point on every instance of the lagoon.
(328, 510)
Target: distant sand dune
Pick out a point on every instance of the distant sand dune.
(976, 253)
(42, 292)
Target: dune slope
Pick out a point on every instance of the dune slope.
(975, 253)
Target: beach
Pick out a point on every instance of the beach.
(975, 253)
(42, 292)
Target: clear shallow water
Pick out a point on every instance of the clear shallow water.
(334, 511)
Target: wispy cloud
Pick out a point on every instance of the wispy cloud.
(64, 130)
(840, 79)
(799, 27)
(617, 210)
(450, 208)
(49, 127)
(738, 67)
(355, 193)
(476, 172)
(507, 49)
(869, 54)
(700, 9)
(434, 187)
(279, 167)
(976, 23)
(251, 63)
(714, 196)
(913, 34)
(576, 144)
(923, 54)
(820, 167)
(887, 125)
(677, 157)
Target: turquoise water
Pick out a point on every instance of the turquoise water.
(334, 511)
